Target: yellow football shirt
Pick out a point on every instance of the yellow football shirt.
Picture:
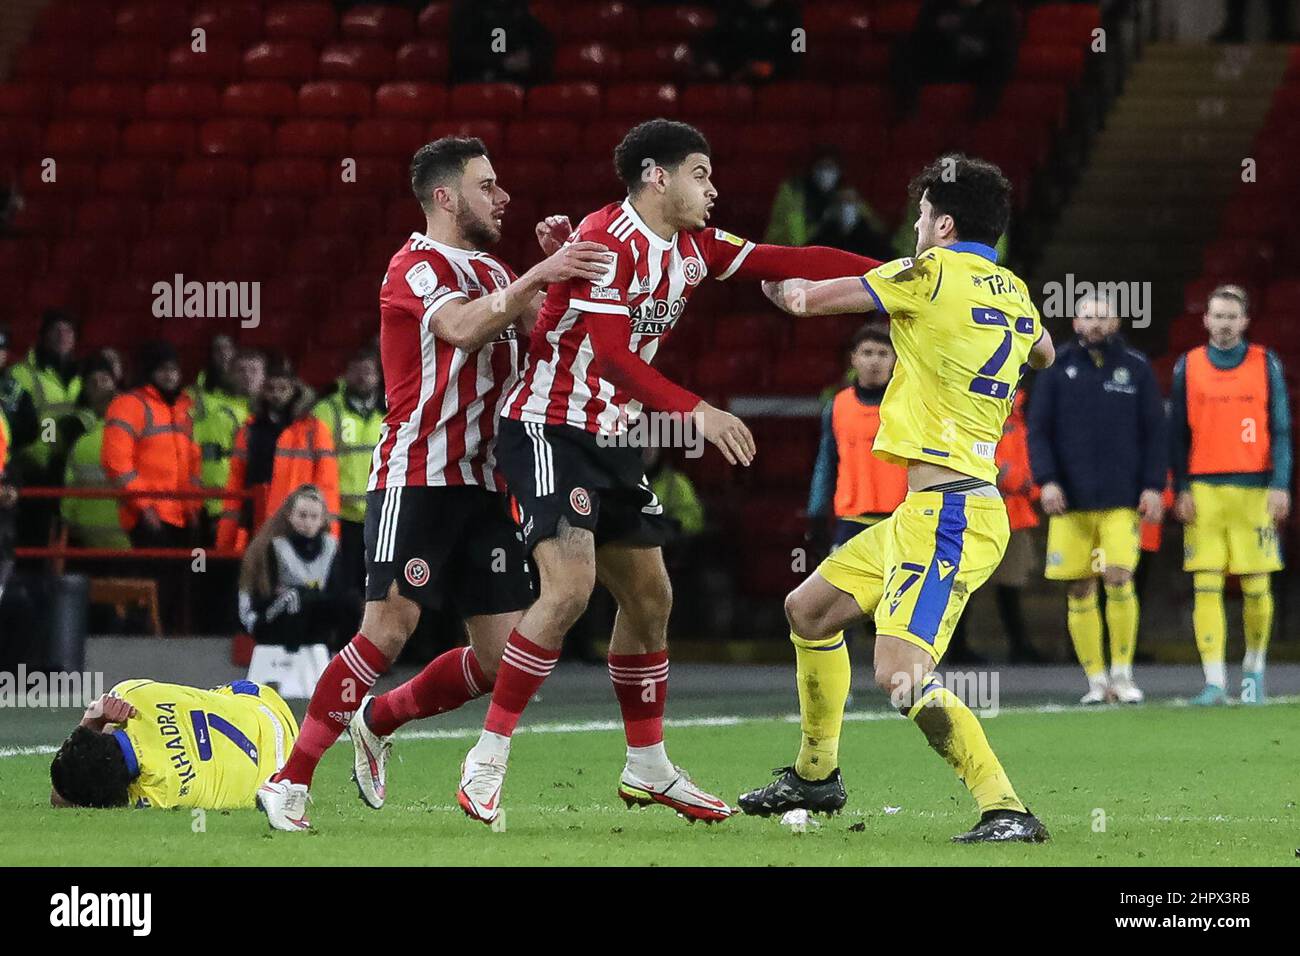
(962, 327)
(188, 747)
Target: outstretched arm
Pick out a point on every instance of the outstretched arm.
(848, 294)
(762, 261)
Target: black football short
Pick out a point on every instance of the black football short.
(560, 471)
(447, 546)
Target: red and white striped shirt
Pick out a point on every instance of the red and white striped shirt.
(584, 326)
(443, 402)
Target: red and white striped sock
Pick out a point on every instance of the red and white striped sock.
(345, 682)
(446, 682)
(524, 666)
(641, 685)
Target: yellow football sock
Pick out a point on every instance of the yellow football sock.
(956, 735)
(1257, 616)
(1083, 620)
(823, 675)
(1210, 624)
(1122, 623)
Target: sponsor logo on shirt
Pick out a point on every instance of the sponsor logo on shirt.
(692, 270)
(728, 237)
(985, 449)
(606, 294)
(422, 279)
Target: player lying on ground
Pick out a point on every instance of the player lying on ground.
(149, 744)
(585, 507)
(438, 528)
(963, 329)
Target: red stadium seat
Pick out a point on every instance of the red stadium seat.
(89, 138)
(357, 60)
(730, 372)
(377, 21)
(1032, 102)
(42, 217)
(836, 22)
(153, 20)
(71, 178)
(435, 19)
(126, 294)
(246, 257)
(810, 101)
(302, 20)
(600, 137)
(22, 256)
(229, 24)
(349, 329)
(745, 331)
(133, 177)
(65, 58)
(20, 137)
(334, 99)
(638, 100)
(72, 17)
(325, 138)
(665, 62)
(421, 60)
(29, 99)
(1281, 296)
(128, 60)
(235, 138)
(421, 101)
(895, 19)
(290, 177)
(830, 332)
(158, 139)
(182, 101)
(487, 100)
(104, 100)
(526, 176)
(274, 216)
(1051, 63)
(128, 217)
(774, 139)
(375, 176)
(942, 102)
(87, 255)
(610, 20)
(309, 293)
(594, 174)
(550, 138)
(387, 137)
(55, 291)
(587, 61)
(731, 101)
(259, 98)
(350, 215)
(403, 216)
(676, 23)
(320, 253)
(218, 64)
(204, 218)
(487, 130)
(806, 372)
(211, 179)
(293, 61)
(575, 100)
(1062, 22)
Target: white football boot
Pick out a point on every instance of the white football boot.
(677, 792)
(481, 781)
(1125, 691)
(369, 758)
(1099, 691)
(285, 805)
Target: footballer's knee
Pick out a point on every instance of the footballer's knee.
(803, 617)
(1082, 588)
(388, 624)
(1116, 577)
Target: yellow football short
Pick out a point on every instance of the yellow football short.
(1082, 544)
(915, 569)
(1232, 531)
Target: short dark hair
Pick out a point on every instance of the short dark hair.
(1233, 293)
(973, 191)
(435, 163)
(90, 770)
(279, 365)
(663, 142)
(871, 332)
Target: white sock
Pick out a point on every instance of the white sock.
(1253, 662)
(1098, 681)
(1121, 672)
(491, 748)
(650, 763)
(1216, 673)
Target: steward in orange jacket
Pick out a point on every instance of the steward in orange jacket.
(149, 446)
(1015, 479)
(281, 447)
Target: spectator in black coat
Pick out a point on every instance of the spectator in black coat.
(498, 41)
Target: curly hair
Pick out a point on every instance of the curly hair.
(973, 191)
(90, 770)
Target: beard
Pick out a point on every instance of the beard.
(479, 231)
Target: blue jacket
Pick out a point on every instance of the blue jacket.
(1098, 430)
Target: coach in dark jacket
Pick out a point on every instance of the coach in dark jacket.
(1097, 449)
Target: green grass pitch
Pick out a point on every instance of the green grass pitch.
(1156, 786)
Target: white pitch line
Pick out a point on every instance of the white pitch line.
(592, 726)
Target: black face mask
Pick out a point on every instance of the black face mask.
(308, 548)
